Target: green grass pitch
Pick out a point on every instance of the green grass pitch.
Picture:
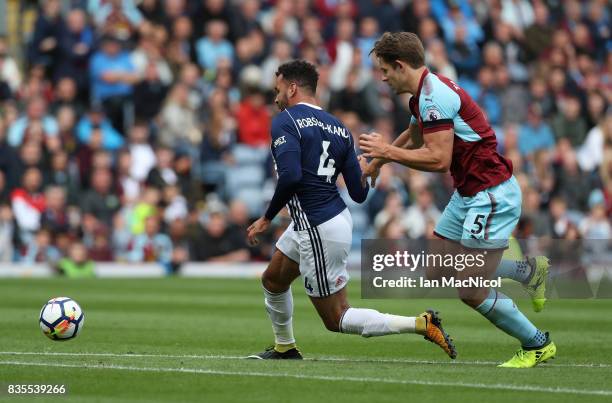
(181, 340)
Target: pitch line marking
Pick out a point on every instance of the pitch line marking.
(320, 359)
(497, 386)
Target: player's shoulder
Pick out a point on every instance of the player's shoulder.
(282, 123)
(440, 93)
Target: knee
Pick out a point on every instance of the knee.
(332, 324)
(470, 297)
(271, 283)
(332, 318)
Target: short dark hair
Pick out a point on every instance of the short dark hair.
(303, 73)
(404, 46)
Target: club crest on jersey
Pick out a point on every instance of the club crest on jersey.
(432, 113)
(279, 141)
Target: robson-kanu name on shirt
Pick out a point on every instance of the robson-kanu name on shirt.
(309, 122)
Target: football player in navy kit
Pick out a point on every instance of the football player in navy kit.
(310, 149)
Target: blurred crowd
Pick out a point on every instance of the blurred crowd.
(138, 131)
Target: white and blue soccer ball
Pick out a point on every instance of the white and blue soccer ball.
(61, 318)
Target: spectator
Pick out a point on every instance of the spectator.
(483, 92)
(36, 116)
(281, 53)
(7, 233)
(143, 156)
(437, 59)
(95, 124)
(341, 52)
(537, 36)
(28, 204)
(518, 13)
(570, 183)
(54, 217)
(532, 211)
(47, 30)
(100, 201)
(112, 78)
(463, 54)
(253, 119)
(391, 228)
(176, 204)
(100, 250)
(591, 152)
(214, 46)
(368, 34)
(559, 218)
(162, 174)
(511, 96)
(66, 123)
(535, 134)
(149, 95)
(393, 208)
(145, 207)
(246, 20)
(41, 249)
(597, 224)
(152, 245)
(569, 124)
(67, 95)
(178, 124)
(63, 175)
(455, 18)
(9, 71)
(280, 22)
(419, 214)
(118, 18)
(177, 231)
(149, 53)
(75, 45)
(216, 242)
(77, 264)
(128, 187)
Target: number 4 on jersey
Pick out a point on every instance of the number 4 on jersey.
(326, 167)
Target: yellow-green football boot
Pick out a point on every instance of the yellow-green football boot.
(528, 358)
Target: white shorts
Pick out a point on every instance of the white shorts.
(322, 253)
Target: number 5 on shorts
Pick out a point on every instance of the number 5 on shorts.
(476, 225)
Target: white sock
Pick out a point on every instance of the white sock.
(280, 311)
(369, 322)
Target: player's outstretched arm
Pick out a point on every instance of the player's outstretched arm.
(434, 156)
(410, 138)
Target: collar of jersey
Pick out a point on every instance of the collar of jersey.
(311, 105)
(425, 72)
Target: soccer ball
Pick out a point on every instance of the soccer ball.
(61, 319)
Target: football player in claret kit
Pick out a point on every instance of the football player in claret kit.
(310, 149)
(448, 131)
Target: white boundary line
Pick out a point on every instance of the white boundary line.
(319, 359)
(498, 386)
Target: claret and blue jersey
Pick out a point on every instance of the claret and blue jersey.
(311, 148)
(441, 104)
(486, 206)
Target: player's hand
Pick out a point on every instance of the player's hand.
(372, 170)
(259, 226)
(373, 145)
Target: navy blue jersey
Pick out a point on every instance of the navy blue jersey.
(310, 149)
